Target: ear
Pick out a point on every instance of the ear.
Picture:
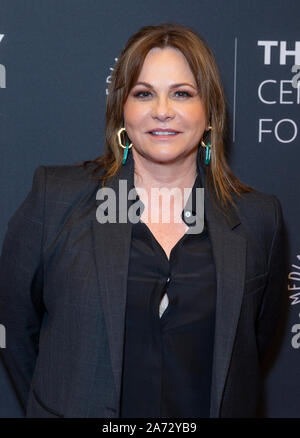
(209, 123)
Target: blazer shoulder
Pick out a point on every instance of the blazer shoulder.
(257, 204)
(67, 195)
(261, 214)
(256, 197)
(65, 183)
(69, 173)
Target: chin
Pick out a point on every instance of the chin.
(160, 155)
(163, 158)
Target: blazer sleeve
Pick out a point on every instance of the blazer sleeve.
(21, 286)
(275, 298)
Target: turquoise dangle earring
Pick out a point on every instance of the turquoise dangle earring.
(208, 149)
(207, 153)
(126, 148)
(125, 153)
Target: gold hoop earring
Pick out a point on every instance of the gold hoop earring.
(128, 146)
(207, 147)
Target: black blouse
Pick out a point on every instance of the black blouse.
(167, 363)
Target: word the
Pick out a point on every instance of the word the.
(283, 52)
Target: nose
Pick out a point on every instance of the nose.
(162, 108)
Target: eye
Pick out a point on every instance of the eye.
(186, 94)
(145, 94)
(141, 94)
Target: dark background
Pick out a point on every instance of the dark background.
(57, 56)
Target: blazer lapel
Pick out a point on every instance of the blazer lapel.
(112, 251)
(229, 251)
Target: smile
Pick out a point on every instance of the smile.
(163, 134)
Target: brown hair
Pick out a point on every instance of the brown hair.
(203, 65)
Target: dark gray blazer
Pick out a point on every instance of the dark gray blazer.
(63, 282)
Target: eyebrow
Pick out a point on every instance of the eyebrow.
(172, 86)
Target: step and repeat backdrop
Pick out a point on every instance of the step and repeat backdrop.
(56, 58)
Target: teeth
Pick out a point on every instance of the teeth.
(163, 133)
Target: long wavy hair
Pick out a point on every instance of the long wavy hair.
(203, 65)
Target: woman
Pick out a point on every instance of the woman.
(146, 317)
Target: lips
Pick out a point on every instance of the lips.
(163, 133)
(163, 130)
(164, 136)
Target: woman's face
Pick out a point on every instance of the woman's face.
(160, 103)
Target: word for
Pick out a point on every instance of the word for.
(286, 125)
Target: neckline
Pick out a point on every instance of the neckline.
(197, 184)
